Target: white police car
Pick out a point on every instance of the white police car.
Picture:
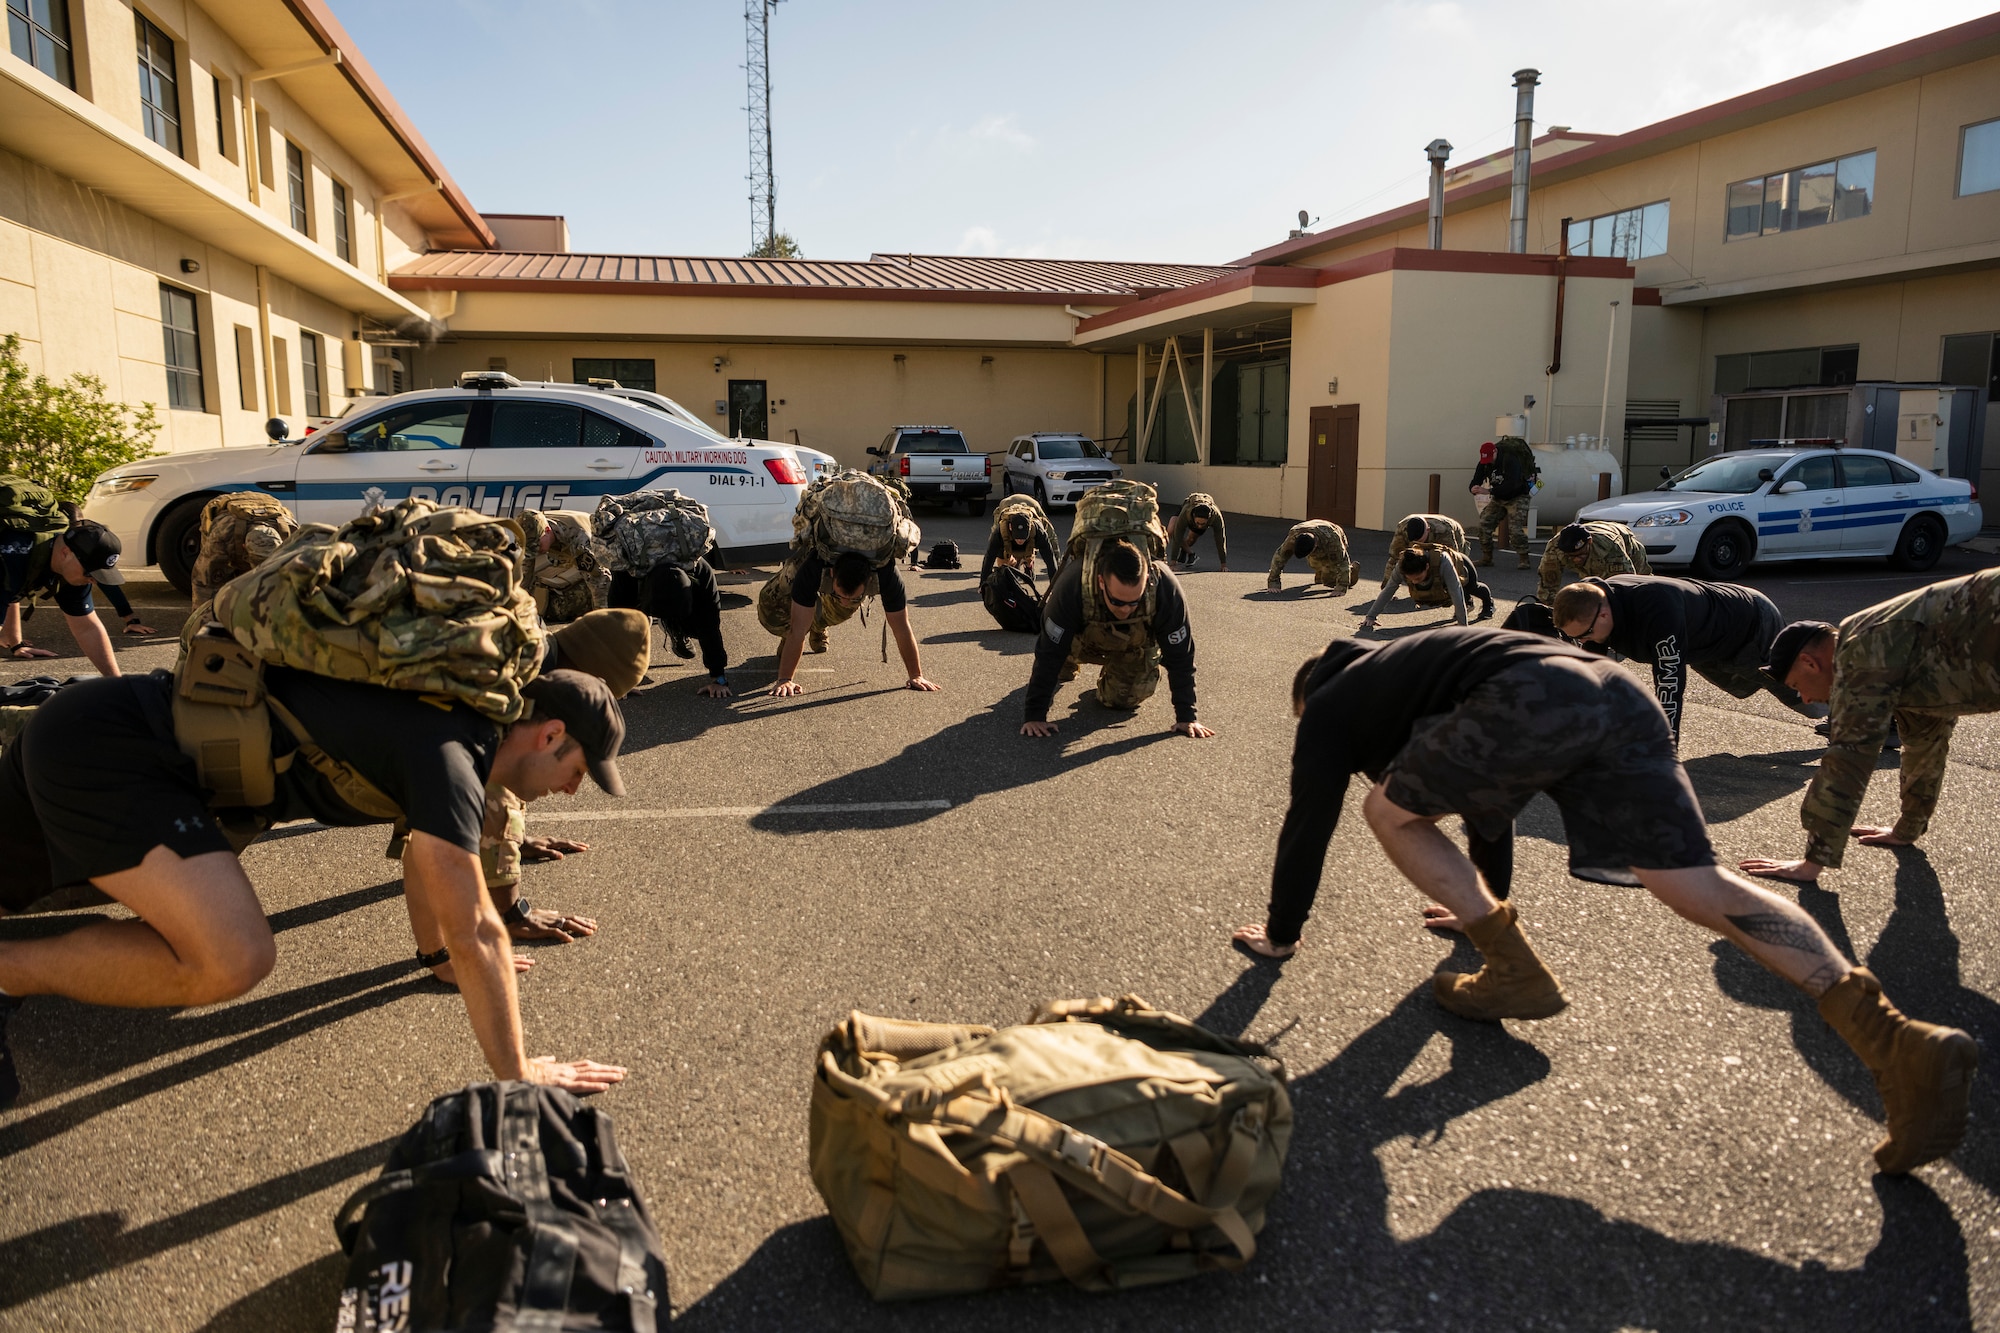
(494, 444)
(1762, 505)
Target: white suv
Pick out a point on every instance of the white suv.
(1056, 468)
(494, 444)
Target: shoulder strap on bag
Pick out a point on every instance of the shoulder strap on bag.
(347, 782)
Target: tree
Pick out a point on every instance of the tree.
(64, 435)
(780, 246)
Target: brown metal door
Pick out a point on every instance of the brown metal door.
(1333, 462)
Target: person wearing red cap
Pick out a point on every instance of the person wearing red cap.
(1507, 473)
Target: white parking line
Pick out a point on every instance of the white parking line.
(742, 811)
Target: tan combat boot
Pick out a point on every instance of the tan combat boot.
(1485, 554)
(816, 640)
(1524, 561)
(1922, 1070)
(1513, 984)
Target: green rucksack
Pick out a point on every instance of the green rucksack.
(412, 597)
(857, 512)
(30, 507)
(1127, 509)
(1105, 1142)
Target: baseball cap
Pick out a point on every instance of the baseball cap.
(1572, 538)
(615, 645)
(97, 549)
(1487, 452)
(583, 704)
(1791, 640)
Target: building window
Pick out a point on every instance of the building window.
(1974, 359)
(38, 32)
(295, 184)
(1636, 233)
(222, 135)
(632, 374)
(1793, 368)
(183, 343)
(312, 356)
(159, 91)
(343, 241)
(1812, 196)
(1979, 158)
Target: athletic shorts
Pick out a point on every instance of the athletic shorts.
(94, 783)
(1588, 735)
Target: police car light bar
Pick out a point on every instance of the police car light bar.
(487, 379)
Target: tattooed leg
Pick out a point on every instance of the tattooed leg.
(1773, 930)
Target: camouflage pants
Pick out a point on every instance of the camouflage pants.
(1515, 513)
(1130, 662)
(774, 608)
(1926, 747)
(1338, 575)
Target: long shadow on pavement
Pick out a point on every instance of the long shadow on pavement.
(85, 1247)
(1506, 1258)
(1917, 959)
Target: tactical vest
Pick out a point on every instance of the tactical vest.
(1435, 593)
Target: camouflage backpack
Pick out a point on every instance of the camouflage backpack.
(854, 511)
(1127, 509)
(30, 507)
(239, 532)
(650, 528)
(412, 598)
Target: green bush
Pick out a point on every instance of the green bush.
(64, 435)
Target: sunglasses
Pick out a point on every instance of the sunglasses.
(1120, 602)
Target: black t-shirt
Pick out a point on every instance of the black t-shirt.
(1673, 624)
(26, 571)
(432, 762)
(1358, 718)
(805, 588)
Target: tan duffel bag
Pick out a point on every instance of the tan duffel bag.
(1104, 1141)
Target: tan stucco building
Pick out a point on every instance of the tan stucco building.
(1763, 255)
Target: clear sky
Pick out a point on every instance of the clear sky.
(1091, 129)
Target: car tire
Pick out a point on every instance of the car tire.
(1920, 546)
(177, 541)
(1006, 484)
(1724, 552)
(1041, 494)
(976, 508)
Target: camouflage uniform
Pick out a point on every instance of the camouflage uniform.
(1181, 535)
(1450, 582)
(501, 833)
(1329, 560)
(1039, 527)
(1438, 531)
(567, 580)
(1514, 513)
(1128, 654)
(239, 532)
(774, 605)
(1613, 548)
(1922, 660)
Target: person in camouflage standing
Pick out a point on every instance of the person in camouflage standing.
(1920, 661)
(1321, 545)
(1199, 513)
(1592, 550)
(1507, 470)
(1425, 529)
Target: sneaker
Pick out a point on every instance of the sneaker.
(10, 1080)
(682, 648)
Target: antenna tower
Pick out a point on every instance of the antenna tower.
(763, 183)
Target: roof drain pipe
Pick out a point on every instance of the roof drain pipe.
(1524, 138)
(1556, 352)
(1439, 152)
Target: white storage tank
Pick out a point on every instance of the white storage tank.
(1571, 479)
(1515, 425)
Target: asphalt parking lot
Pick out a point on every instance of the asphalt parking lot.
(1686, 1147)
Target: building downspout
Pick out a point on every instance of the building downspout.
(1556, 353)
(264, 338)
(1439, 152)
(1604, 413)
(1524, 140)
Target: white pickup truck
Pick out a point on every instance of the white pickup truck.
(937, 466)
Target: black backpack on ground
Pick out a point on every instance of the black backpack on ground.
(944, 555)
(507, 1207)
(1012, 601)
(1531, 617)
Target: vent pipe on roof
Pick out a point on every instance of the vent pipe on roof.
(1439, 152)
(1524, 138)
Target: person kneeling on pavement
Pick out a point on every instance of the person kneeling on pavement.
(1323, 546)
(1021, 531)
(1591, 549)
(63, 565)
(1199, 513)
(1424, 717)
(1720, 631)
(1130, 620)
(688, 605)
(96, 789)
(1436, 576)
(1428, 529)
(800, 604)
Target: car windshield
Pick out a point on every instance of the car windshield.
(673, 411)
(932, 442)
(1051, 450)
(1729, 474)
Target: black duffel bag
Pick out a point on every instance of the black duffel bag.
(1531, 617)
(1012, 601)
(508, 1206)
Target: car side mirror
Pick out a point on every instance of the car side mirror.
(875, 451)
(1765, 474)
(1666, 473)
(1791, 488)
(276, 428)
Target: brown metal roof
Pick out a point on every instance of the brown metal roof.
(1045, 279)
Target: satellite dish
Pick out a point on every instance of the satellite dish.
(1304, 218)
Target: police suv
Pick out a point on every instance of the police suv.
(1797, 504)
(495, 444)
